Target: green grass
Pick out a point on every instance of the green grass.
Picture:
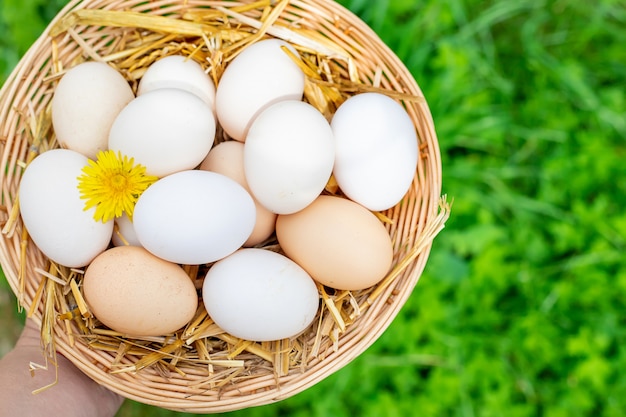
(522, 309)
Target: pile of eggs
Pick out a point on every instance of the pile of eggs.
(216, 201)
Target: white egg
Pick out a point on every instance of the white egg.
(124, 232)
(166, 130)
(376, 150)
(260, 75)
(53, 212)
(259, 295)
(177, 71)
(85, 103)
(288, 156)
(194, 217)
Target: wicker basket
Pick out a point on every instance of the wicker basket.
(172, 372)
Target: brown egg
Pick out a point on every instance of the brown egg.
(133, 292)
(338, 242)
(226, 158)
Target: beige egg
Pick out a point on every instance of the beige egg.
(227, 159)
(135, 293)
(338, 242)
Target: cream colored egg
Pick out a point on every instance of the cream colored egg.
(166, 130)
(177, 71)
(261, 75)
(53, 212)
(135, 293)
(338, 242)
(227, 159)
(85, 103)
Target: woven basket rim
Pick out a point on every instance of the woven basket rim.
(24, 93)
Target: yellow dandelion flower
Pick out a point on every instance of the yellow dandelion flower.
(112, 184)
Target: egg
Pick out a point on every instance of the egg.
(124, 232)
(194, 217)
(136, 293)
(260, 75)
(260, 295)
(338, 242)
(53, 212)
(227, 159)
(177, 71)
(288, 156)
(166, 130)
(85, 103)
(376, 150)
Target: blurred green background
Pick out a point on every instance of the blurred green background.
(521, 310)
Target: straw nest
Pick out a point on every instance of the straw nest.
(200, 368)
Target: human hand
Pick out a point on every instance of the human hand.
(74, 395)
